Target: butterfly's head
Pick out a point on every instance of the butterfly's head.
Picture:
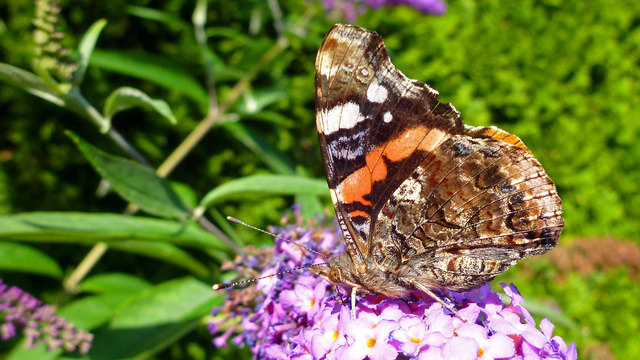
(338, 270)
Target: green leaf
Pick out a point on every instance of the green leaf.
(29, 82)
(89, 229)
(154, 69)
(23, 258)
(136, 183)
(126, 98)
(256, 143)
(186, 193)
(168, 253)
(271, 117)
(111, 289)
(87, 44)
(265, 185)
(114, 283)
(154, 319)
(156, 15)
(40, 352)
(93, 311)
(253, 102)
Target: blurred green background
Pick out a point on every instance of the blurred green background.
(562, 75)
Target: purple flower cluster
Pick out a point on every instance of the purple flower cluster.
(302, 316)
(19, 311)
(350, 9)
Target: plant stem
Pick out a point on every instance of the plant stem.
(124, 144)
(208, 225)
(87, 263)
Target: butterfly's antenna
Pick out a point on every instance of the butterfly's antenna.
(232, 219)
(248, 281)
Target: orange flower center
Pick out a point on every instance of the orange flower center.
(371, 342)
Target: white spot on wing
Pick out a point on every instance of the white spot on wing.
(387, 117)
(376, 93)
(339, 117)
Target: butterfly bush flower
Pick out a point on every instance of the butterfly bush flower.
(350, 9)
(19, 311)
(299, 315)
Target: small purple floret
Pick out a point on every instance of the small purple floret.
(20, 311)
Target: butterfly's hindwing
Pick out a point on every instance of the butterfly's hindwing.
(498, 208)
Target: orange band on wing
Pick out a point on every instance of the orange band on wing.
(402, 146)
(359, 183)
(356, 213)
(499, 134)
(356, 186)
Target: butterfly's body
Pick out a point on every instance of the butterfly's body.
(424, 201)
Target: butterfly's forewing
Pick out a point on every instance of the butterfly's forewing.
(374, 126)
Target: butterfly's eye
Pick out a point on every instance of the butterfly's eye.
(335, 276)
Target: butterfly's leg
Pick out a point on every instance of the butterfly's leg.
(440, 301)
(353, 303)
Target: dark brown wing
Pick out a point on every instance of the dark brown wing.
(375, 127)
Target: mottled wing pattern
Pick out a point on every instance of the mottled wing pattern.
(375, 126)
(469, 213)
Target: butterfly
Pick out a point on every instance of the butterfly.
(423, 201)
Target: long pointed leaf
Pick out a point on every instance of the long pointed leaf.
(255, 142)
(85, 49)
(23, 258)
(114, 283)
(89, 229)
(136, 183)
(154, 69)
(152, 14)
(168, 253)
(265, 185)
(28, 82)
(126, 98)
